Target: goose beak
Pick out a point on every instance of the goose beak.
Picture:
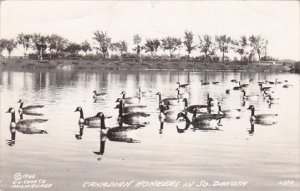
(7, 111)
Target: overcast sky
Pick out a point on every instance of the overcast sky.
(277, 21)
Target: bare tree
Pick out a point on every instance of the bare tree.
(257, 45)
(223, 42)
(188, 42)
(240, 46)
(104, 41)
(171, 44)
(120, 47)
(56, 43)
(136, 41)
(206, 45)
(2, 46)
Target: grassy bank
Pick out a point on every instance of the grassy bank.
(144, 65)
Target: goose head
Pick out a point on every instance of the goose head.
(78, 109)
(95, 92)
(20, 101)
(99, 114)
(178, 83)
(251, 107)
(180, 115)
(158, 93)
(10, 110)
(119, 100)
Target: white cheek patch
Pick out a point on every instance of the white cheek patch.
(81, 120)
(13, 125)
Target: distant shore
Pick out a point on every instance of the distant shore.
(145, 65)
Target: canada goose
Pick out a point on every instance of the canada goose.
(227, 91)
(167, 101)
(30, 109)
(89, 121)
(27, 126)
(215, 83)
(249, 97)
(182, 95)
(131, 100)
(277, 82)
(234, 81)
(98, 95)
(132, 118)
(235, 113)
(264, 88)
(109, 131)
(243, 85)
(204, 83)
(201, 123)
(263, 119)
(165, 115)
(209, 116)
(191, 108)
(239, 87)
(131, 108)
(182, 85)
(287, 85)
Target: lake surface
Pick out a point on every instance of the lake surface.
(265, 158)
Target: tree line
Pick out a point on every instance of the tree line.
(211, 48)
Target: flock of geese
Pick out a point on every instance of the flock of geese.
(132, 114)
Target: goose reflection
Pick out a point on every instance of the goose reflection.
(251, 131)
(80, 134)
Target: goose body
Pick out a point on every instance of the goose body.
(264, 88)
(132, 118)
(166, 101)
(131, 108)
(204, 83)
(182, 95)
(93, 121)
(235, 113)
(215, 83)
(131, 100)
(249, 97)
(27, 126)
(166, 115)
(201, 108)
(263, 119)
(182, 85)
(200, 122)
(30, 109)
(98, 95)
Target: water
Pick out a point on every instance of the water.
(267, 158)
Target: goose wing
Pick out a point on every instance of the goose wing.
(33, 107)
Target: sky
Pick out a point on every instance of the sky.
(276, 21)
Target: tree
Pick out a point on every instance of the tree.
(171, 44)
(56, 43)
(39, 44)
(104, 42)
(2, 46)
(73, 48)
(188, 42)
(223, 42)
(206, 45)
(136, 41)
(151, 46)
(241, 46)
(85, 47)
(25, 40)
(10, 45)
(120, 47)
(257, 45)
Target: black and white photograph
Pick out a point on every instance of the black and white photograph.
(153, 95)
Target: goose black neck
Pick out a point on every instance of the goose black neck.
(103, 122)
(252, 111)
(185, 102)
(186, 119)
(21, 105)
(81, 114)
(13, 117)
(123, 96)
(244, 93)
(121, 109)
(219, 107)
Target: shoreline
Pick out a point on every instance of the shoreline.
(152, 65)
